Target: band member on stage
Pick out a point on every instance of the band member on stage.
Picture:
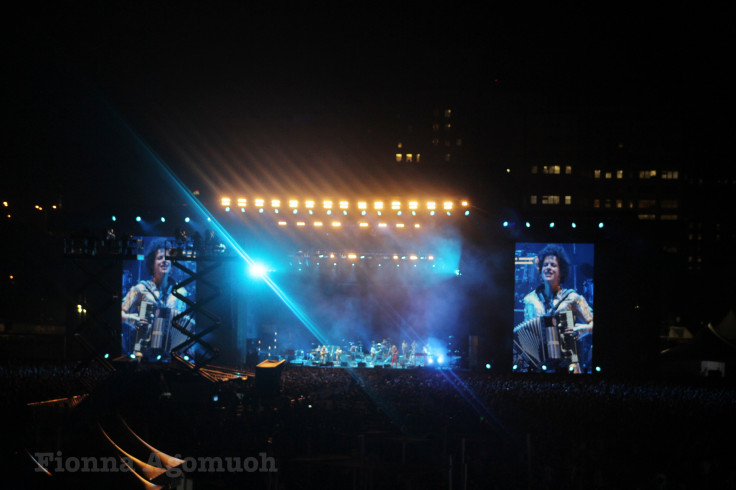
(394, 354)
(550, 297)
(404, 350)
(153, 331)
(337, 354)
(373, 353)
(323, 352)
(413, 352)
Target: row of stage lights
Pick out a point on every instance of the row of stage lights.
(552, 224)
(328, 206)
(337, 224)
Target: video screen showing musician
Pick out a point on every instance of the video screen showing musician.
(150, 304)
(557, 327)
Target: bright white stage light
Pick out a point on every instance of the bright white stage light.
(257, 271)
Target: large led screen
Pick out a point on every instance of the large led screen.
(152, 305)
(553, 307)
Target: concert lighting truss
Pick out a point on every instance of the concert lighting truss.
(96, 333)
(198, 307)
(328, 213)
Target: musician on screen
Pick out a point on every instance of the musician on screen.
(149, 307)
(551, 298)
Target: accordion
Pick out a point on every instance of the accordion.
(154, 334)
(543, 339)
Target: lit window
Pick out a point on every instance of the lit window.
(413, 205)
(399, 145)
(550, 199)
(568, 200)
(399, 225)
(431, 205)
(669, 204)
(378, 205)
(533, 200)
(293, 203)
(399, 157)
(275, 203)
(609, 175)
(343, 204)
(668, 217)
(309, 204)
(259, 203)
(242, 202)
(409, 158)
(327, 204)
(447, 205)
(596, 174)
(362, 205)
(395, 205)
(596, 203)
(318, 224)
(225, 201)
(619, 174)
(619, 203)
(670, 174)
(419, 157)
(568, 169)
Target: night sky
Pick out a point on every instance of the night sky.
(255, 94)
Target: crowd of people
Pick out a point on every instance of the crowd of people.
(419, 428)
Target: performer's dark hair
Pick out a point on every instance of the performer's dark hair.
(153, 252)
(562, 260)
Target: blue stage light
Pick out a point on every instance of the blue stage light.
(257, 270)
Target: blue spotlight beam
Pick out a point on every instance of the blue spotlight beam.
(228, 239)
